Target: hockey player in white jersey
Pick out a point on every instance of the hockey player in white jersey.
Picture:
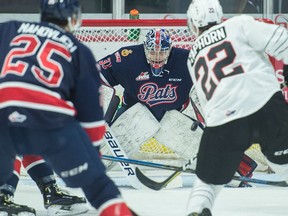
(239, 94)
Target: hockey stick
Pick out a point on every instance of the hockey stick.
(115, 147)
(112, 108)
(198, 114)
(153, 184)
(142, 178)
(118, 152)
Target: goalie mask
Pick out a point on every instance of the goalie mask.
(157, 47)
(202, 13)
(62, 12)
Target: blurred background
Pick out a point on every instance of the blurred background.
(149, 9)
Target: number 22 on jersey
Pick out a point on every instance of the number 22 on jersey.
(218, 58)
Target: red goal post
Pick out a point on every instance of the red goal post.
(104, 37)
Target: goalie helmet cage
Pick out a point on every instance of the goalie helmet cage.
(104, 37)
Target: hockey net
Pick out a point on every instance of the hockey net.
(104, 37)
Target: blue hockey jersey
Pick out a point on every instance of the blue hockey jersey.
(48, 78)
(129, 68)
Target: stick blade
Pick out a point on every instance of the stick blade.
(153, 184)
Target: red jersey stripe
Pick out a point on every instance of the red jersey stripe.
(34, 99)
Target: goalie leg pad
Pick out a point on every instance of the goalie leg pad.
(176, 134)
(133, 128)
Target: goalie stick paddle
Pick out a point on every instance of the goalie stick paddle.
(112, 108)
(115, 147)
(118, 152)
(142, 178)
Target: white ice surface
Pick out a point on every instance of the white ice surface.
(256, 201)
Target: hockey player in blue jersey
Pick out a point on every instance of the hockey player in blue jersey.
(154, 74)
(50, 103)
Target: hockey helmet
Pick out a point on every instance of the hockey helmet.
(62, 12)
(157, 47)
(202, 13)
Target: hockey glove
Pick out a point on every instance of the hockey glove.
(247, 166)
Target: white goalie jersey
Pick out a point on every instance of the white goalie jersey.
(228, 59)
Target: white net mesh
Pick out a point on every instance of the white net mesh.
(106, 40)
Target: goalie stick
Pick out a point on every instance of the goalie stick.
(118, 152)
(115, 147)
(198, 114)
(142, 178)
(153, 184)
(113, 105)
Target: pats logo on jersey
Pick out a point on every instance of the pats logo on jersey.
(143, 76)
(126, 52)
(152, 95)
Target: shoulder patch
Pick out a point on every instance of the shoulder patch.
(126, 52)
(118, 57)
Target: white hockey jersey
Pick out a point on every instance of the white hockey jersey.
(230, 69)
